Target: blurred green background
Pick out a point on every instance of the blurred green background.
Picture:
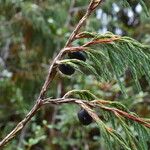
(31, 34)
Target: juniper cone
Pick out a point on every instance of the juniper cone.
(84, 117)
(66, 69)
(77, 55)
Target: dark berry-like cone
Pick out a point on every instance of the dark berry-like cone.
(77, 55)
(84, 117)
(66, 69)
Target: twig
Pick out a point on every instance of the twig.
(98, 41)
(101, 104)
(127, 115)
(21, 124)
(89, 104)
(51, 74)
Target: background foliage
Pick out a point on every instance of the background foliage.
(31, 34)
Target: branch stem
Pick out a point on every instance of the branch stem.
(51, 74)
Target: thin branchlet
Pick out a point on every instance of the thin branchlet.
(97, 103)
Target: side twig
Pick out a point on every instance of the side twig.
(96, 103)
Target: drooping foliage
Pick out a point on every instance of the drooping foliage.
(111, 55)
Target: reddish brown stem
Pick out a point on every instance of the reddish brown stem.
(94, 104)
(99, 41)
(127, 115)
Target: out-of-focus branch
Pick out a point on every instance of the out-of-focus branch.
(76, 9)
(70, 13)
(91, 8)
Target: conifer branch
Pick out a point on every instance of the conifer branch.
(51, 74)
(119, 53)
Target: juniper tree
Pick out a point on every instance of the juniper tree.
(106, 57)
